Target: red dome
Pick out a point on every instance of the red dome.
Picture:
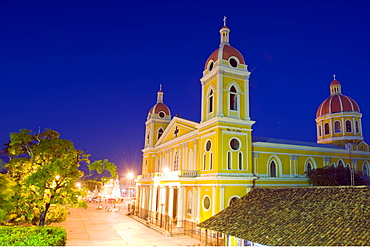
(157, 108)
(334, 82)
(225, 52)
(337, 103)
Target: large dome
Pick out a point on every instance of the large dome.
(337, 102)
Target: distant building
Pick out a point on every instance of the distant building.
(128, 187)
(191, 171)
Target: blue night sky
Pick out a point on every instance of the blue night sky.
(91, 69)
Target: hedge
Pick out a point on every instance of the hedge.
(32, 236)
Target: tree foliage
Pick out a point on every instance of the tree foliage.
(44, 169)
(332, 176)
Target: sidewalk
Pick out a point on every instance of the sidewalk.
(92, 227)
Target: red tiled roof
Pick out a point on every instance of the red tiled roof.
(298, 216)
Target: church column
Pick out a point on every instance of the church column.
(222, 197)
(214, 200)
(204, 106)
(293, 166)
(199, 202)
(162, 205)
(150, 198)
(246, 105)
(343, 128)
(194, 204)
(180, 205)
(255, 163)
(154, 199)
(170, 203)
(195, 155)
(219, 94)
(137, 202)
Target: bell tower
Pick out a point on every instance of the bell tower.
(225, 82)
(159, 117)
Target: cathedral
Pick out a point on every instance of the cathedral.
(191, 170)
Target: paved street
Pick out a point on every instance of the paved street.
(92, 227)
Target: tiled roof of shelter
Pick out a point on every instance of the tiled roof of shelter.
(299, 216)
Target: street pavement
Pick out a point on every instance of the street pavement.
(92, 227)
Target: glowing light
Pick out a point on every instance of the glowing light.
(57, 177)
(130, 175)
(165, 170)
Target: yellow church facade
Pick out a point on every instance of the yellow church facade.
(191, 170)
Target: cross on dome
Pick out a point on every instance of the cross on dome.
(334, 76)
(225, 21)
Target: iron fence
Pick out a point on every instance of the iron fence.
(165, 223)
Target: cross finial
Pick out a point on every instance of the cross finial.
(334, 76)
(225, 21)
(160, 87)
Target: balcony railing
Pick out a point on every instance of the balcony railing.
(170, 174)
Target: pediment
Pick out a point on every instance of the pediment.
(177, 127)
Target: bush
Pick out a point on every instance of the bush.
(32, 236)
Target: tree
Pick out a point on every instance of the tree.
(45, 170)
(332, 176)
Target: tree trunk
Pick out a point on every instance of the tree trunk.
(43, 215)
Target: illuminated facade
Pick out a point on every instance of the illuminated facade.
(192, 170)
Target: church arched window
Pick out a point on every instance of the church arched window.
(160, 132)
(357, 129)
(326, 128)
(233, 99)
(308, 168)
(229, 160)
(210, 102)
(348, 126)
(204, 161)
(337, 127)
(365, 173)
(272, 169)
(240, 161)
(340, 164)
(210, 161)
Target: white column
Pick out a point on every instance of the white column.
(142, 201)
(180, 205)
(170, 203)
(150, 198)
(154, 199)
(194, 204)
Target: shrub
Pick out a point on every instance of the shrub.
(32, 236)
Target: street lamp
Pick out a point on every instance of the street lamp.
(130, 175)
